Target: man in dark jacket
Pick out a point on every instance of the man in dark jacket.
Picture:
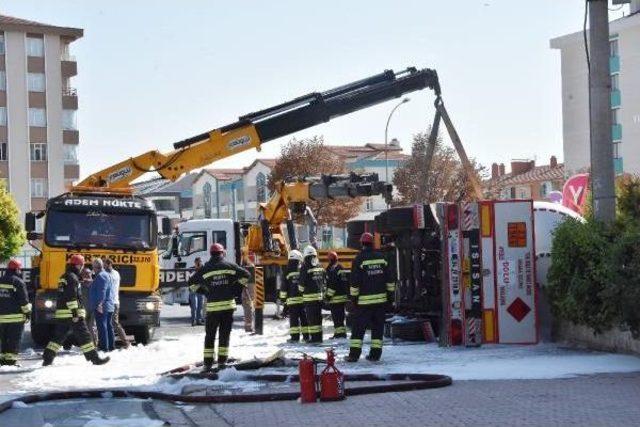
(312, 282)
(292, 297)
(15, 310)
(221, 282)
(70, 315)
(372, 288)
(336, 294)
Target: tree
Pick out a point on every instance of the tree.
(309, 157)
(12, 236)
(446, 181)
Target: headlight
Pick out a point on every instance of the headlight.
(48, 303)
(147, 305)
(150, 306)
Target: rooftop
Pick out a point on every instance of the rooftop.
(19, 24)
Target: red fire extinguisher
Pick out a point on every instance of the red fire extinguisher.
(307, 371)
(331, 380)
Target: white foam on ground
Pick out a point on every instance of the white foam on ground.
(139, 366)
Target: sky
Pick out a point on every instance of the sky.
(152, 72)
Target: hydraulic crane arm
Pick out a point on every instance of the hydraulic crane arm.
(252, 130)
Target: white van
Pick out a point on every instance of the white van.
(192, 241)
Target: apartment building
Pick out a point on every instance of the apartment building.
(38, 104)
(624, 66)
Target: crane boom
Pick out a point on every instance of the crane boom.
(254, 129)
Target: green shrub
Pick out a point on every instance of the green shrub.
(624, 291)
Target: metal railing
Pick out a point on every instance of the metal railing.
(67, 57)
(69, 91)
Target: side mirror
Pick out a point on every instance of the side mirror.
(166, 226)
(30, 222)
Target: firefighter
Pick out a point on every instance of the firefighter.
(292, 298)
(70, 314)
(221, 282)
(15, 310)
(336, 294)
(312, 282)
(371, 290)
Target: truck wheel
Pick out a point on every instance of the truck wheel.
(143, 334)
(41, 334)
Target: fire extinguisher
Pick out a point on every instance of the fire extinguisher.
(331, 380)
(307, 371)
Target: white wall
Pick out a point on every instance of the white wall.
(53, 73)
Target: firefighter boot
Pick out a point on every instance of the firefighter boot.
(47, 357)
(206, 368)
(94, 358)
(374, 355)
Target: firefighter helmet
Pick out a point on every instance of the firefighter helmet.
(14, 264)
(310, 251)
(216, 248)
(332, 256)
(295, 254)
(76, 259)
(366, 239)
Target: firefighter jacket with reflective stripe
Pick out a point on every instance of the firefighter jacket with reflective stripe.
(14, 302)
(312, 280)
(371, 281)
(69, 298)
(337, 284)
(290, 292)
(220, 282)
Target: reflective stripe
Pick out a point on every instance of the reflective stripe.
(354, 291)
(300, 288)
(295, 330)
(374, 262)
(9, 356)
(314, 329)
(194, 288)
(72, 304)
(293, 274)
(62, 280)
(208, 352)
(63, 313)
(12, 318)
(344, 272)
(6, 286)
(294, 300)
(243, 281)
(376, 343)
(26, 308)
(87, 347)
(355, 343)
(221, 305)
(372, 299)
(53, 346)
(82, 313)
(341, 330)
(391, 287)
(223, 351)
(338, 299)
(331, 292)
(316, 269)
(218, 273)
(283, 295)
(311, 297)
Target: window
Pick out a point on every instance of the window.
(3, 151)
(615, 116)
(36, 82)
(545, 189)
(3, 116)
(368, 204)
(615, 81)
(38, 117)
(3, 80)
(191, 242)
(164, 205)
(616, 150)
(614, 48)
(35, 46)
(69, 120)
(522, 194)
(2, 51)
(261, 188)
(39, 187)
(70, 154)
(513, 193)
(38, 152)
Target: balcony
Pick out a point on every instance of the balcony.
(69, 68)
(614, 64)
(617, 165)
(69, 98)
(616, 132)
(70, 136)
(69, 91)
(616, 98)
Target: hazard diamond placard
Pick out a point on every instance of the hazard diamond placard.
(515, 272)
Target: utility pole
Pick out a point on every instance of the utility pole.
(602, 171)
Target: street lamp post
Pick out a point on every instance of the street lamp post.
(386, 141)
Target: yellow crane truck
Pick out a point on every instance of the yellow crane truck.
(101, 217)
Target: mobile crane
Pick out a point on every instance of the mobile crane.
(100, 217)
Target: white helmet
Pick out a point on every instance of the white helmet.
(295, 254)
(310, 251)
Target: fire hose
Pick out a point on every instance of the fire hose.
(404, 382)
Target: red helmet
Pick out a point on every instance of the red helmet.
(76, 259)
(216, 248)
(332, 256)
(14, 264)
(366, 239)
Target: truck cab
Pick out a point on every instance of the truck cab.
(192, 240)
